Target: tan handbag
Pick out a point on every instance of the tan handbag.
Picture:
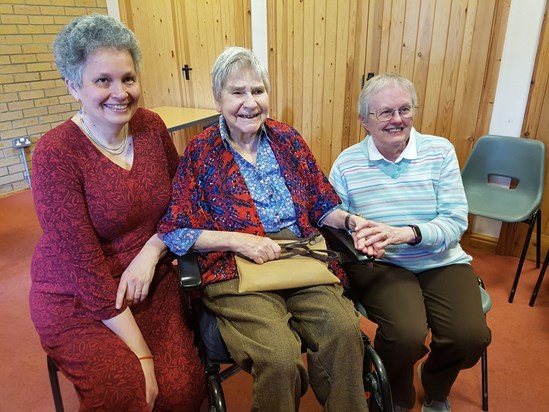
(302, 263)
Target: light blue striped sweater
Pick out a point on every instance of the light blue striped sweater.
(426, 191)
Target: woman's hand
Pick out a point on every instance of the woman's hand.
(151, 386)
(369, 233)
(124, 326)
(135, 281)
(260, 249)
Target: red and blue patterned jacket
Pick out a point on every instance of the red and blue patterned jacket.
(210, 193)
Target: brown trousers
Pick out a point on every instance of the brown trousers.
(264, 331)
(404, 305)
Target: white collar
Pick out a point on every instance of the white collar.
(409, 152)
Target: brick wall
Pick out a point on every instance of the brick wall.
(33, 98)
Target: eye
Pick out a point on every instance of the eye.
(405, 110)
(258, 91)
(130, 80)
(385, 113)
(102, 80)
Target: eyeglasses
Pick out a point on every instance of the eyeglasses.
(386, 114)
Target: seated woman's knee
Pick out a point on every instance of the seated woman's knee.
(406, 336)
(470, 340)
(282, 360)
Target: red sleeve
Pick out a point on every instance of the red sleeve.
(68, 233)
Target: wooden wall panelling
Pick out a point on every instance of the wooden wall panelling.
(374, 14)
(319, 66)
(422, 55)
(395, 35)
(297, 48)
(476, 55)
(536, 126)
(173, 33)
(409, 38)
(312, 48)
(457, 52)
(497, 42)
(443, 46)
(352, 131)
(206, 28)
(430, 101)
(325, 138)
(482, 127)
(153, 24)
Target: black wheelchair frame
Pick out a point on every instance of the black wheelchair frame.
(214, 354)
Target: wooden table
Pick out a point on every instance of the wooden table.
(177, 118)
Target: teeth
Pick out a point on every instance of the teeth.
(117, 106)
(248, 117)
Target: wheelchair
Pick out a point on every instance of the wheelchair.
(214, 353)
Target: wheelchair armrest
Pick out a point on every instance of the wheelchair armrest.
(341, 241)
(207, 333)
(189, 272)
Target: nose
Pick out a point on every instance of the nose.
(249, 100)
(396, 112)
(119, 89)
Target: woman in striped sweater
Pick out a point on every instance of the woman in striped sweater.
(407, 207)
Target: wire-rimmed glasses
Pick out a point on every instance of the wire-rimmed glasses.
(385, 114)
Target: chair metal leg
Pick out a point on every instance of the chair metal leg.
(54, 382)
(484, 367)
(538, 240)
(532, 222)
(540, 279)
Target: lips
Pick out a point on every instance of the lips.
(117, 106)
(395, 130)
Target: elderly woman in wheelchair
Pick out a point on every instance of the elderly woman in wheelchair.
(241, 183)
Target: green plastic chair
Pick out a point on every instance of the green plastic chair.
(523, 162)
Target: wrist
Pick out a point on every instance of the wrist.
(348, 222)
(417, 235)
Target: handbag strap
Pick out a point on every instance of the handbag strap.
(301, 248)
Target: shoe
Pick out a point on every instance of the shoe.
(430, 405)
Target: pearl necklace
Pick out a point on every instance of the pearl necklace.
(112, 150)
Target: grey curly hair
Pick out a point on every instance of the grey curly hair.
(82, 35)
(229, 62)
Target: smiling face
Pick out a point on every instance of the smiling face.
(110, 89)
(244, 103)
(390, 137)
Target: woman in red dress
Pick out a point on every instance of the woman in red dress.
(104, 297)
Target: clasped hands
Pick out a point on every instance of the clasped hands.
(371, 237)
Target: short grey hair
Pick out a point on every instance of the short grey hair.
(83, 35)
(232, 60)
(378, 83)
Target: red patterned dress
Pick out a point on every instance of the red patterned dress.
(95, 217)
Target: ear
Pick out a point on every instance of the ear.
(364, 124)
(73, 89)
(218, 106)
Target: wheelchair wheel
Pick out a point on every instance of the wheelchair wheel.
(376, 383)
(216, 399)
